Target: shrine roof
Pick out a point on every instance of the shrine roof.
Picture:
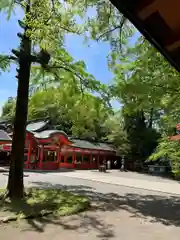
(175, 137)
(4, 136)
(158, 21)
(36, 126)
(92, 145)
(48, 133)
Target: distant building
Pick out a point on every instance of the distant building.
(50, 149)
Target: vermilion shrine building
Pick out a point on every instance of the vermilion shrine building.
(52, 149)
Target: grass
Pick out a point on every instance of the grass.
(40, 202)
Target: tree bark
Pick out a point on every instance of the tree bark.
(15, 185)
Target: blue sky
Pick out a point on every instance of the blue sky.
(94, 56)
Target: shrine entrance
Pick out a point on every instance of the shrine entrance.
(50, 155)
(50, 143)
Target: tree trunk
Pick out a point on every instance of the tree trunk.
(151, 118)
(15, 185)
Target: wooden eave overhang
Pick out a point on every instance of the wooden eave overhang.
(158, 21)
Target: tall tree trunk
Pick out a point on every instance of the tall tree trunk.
(15, 185)
(151, 118)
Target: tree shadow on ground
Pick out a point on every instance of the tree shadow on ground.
(79, 222)
(39, 203)
(155, 208)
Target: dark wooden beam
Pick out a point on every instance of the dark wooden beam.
(129, 9)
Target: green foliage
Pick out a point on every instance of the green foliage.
(76, 114)
(142, 137)
(142, 86)
(6, 5)
(116, 133)
(4, 63)
(168, 150)
(131, 135)
(145, 82)
(52, 104)
(148, 82)
(81, 116)
(104, 22)
(63, 70)
(8, 110)
(48, 30)
(61, 90)
(88, 118)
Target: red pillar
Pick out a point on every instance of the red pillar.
(98, 153)
(73, 156)
(90, 160)
(59, 158)
(82, 159)
(82, 156)
(65, 156)
(58, 150)
(58, 155)
(41, 157)
(29, 153)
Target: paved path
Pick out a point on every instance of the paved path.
(153, 184)
(128, 179)
(98, 225)
(119, 212)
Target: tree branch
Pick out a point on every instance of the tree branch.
(19, 3)
(53, 5)
(107, 32)
(7, 58)
(110, 11)
(151, 118)
(113, 29)
(120, 33)
(71, 71)
(46, 22)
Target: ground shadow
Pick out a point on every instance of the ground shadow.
(154, 208)
(164, 209)
(38, 203)
(84, 221)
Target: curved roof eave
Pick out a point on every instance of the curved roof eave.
(158, 21)
(49, 133)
